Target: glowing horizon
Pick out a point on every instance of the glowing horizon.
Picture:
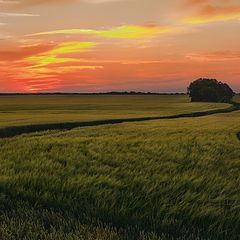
(117, 45)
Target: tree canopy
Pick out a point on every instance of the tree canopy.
(209, 90)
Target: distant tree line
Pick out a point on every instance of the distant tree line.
(98, 93)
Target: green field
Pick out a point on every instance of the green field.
(237, 98)
(149, 180)
(26, 110)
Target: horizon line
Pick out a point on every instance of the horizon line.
(92, 93)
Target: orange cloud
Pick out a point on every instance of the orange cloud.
(212, 14)
(195, 2)
(19, 53)
(215, 56)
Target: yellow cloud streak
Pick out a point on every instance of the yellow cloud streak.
(72, 47)
(51, 57)
(80, 67)
(43, 60)
(126, 31)
(40, 62)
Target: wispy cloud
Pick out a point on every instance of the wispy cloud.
(52, 56)
(9, 14)
(102, 1)
(212, 13)
(8, 2)
(38, 2)
(125, 31)
(4, 36)
(195, 2)
(215, 56)
(19, 53)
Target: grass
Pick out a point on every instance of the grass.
(28, 110)
(237, 98)
(154, 180)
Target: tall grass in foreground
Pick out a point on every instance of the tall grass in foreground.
(167, 178)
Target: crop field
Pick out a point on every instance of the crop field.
(27, 110)
(237, 98)
(150, 180)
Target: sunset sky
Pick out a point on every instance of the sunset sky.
(117, 45)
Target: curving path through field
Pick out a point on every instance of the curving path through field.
(18, 130)
(238, 136)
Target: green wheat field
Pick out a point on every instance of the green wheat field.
(145, 180)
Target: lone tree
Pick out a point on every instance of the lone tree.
(209, 90)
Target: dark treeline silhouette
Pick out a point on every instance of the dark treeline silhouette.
(98, 93)
(210, 90)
